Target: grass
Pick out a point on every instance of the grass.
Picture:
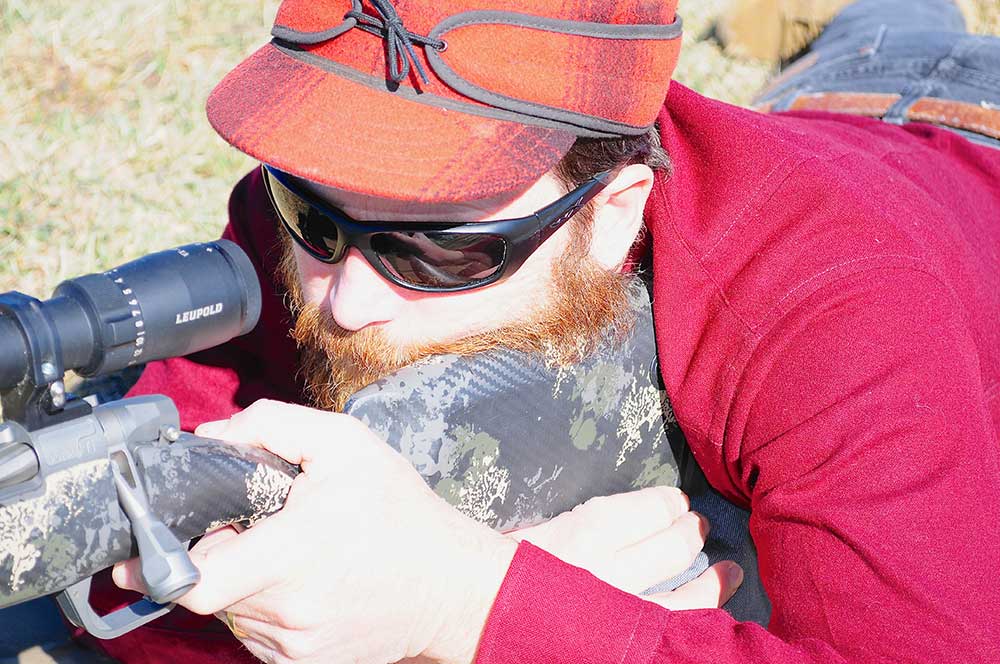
(105, 150)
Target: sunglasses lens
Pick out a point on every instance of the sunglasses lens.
(314, 232)
(440, 259)
(430, 259)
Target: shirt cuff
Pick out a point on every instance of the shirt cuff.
(550, 611)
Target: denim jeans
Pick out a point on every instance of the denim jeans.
(913, 48)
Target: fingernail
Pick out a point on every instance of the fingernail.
(734, 574)
(706, 526)
(210, 429)
(118, 575)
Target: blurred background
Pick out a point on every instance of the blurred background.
(105, 153)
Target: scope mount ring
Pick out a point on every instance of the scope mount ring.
(32, 402)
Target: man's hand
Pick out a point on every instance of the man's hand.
(636, 540)
(366, 564)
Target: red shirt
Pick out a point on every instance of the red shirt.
(827, 300)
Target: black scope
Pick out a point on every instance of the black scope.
(166, 304)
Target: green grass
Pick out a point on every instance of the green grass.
(105, 153)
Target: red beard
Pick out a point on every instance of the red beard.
(587, 304)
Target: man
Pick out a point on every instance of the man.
(826, 296)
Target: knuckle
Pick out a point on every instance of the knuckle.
(240, 419)
(671, 491)
(293, 619)
(540, 535)
(673, 500)
(687, 534)
(575, 521)
(700, 524)
(261, 407)
(199, 602)
(297, 646)
(347, 420)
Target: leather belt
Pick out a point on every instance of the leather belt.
(981, 119)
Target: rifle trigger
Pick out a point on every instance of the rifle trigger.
(165, 565)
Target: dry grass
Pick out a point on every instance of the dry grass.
(105, 151)
(105, 148)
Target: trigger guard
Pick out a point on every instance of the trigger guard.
(75, 604)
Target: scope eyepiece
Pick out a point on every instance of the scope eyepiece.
(166, 304)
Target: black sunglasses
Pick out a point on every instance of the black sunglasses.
(431, 257)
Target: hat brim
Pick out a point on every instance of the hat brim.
(326, 127)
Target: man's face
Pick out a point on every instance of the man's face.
(354, 326)
(358, 297)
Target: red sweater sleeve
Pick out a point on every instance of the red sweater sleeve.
(871, 463)
(550, 611)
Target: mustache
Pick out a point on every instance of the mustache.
(336, 363)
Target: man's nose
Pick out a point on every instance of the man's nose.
(360, 296)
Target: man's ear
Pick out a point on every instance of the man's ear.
(618, 217)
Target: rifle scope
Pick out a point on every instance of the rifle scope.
(167, 304)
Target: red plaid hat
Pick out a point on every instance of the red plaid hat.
(445, 100)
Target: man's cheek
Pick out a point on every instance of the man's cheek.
(317, 284)
(314, 278)
(314, 293)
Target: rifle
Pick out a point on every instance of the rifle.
(504, 436)
(83, 487)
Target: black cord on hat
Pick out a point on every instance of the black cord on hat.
(399, 40)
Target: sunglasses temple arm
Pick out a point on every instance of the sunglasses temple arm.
(565, 210)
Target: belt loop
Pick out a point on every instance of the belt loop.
(872, 50)
(898, 112)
